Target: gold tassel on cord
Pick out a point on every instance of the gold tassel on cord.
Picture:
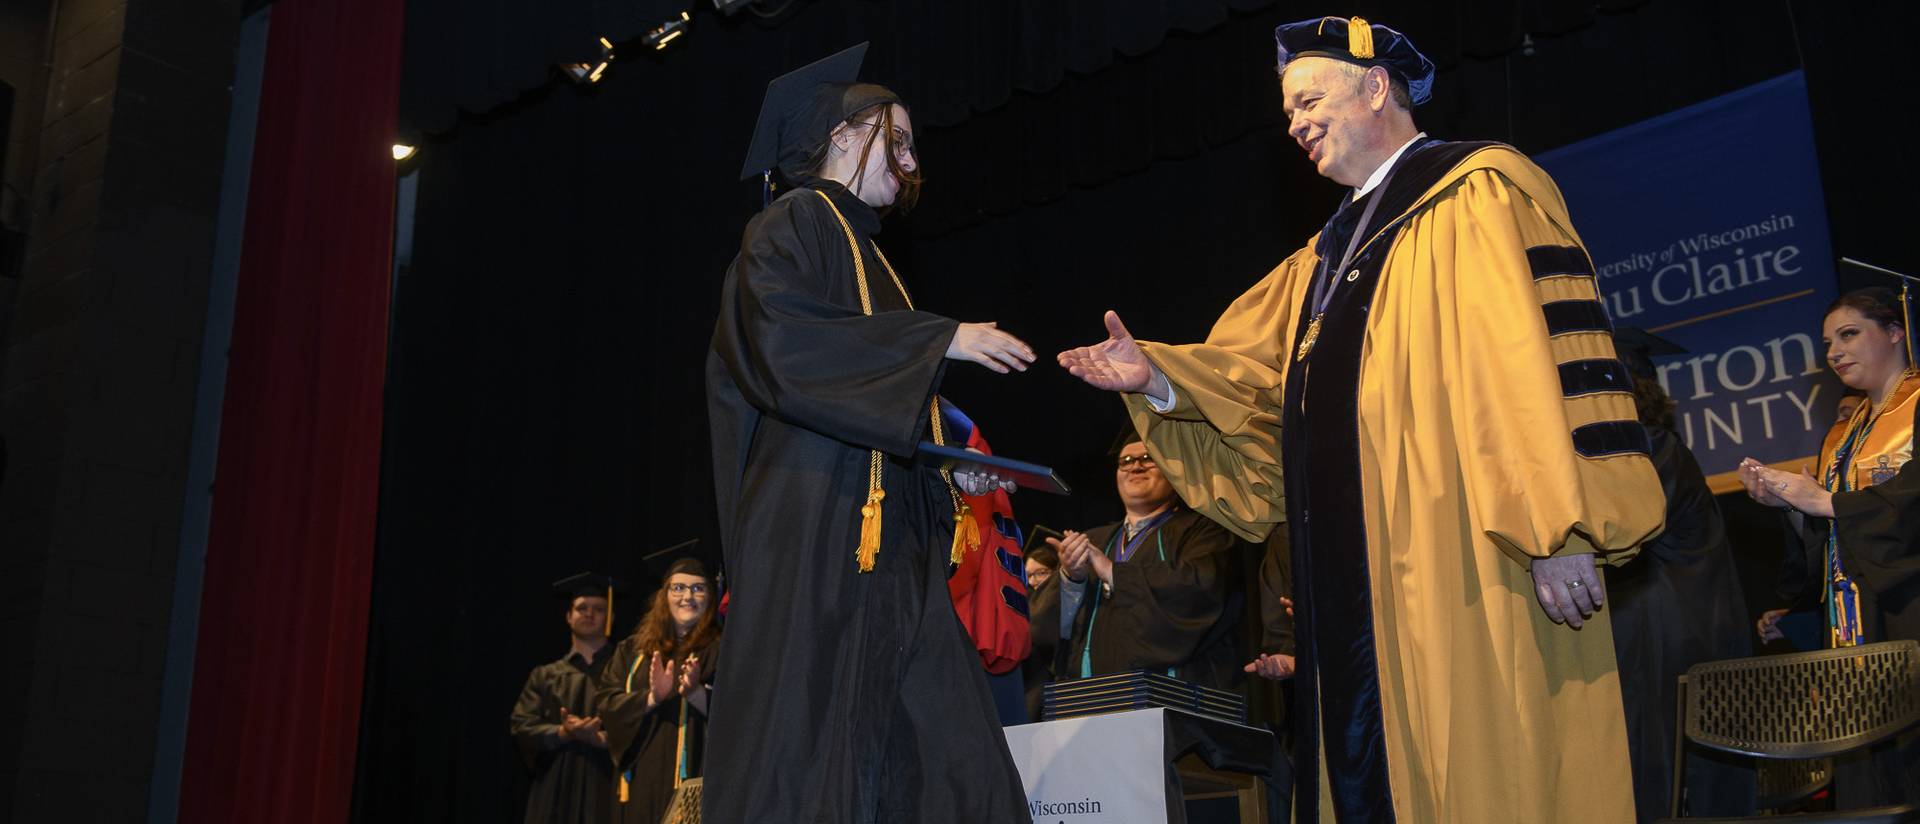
(869, 549)
(1360, 38)
(966, 532)
(869, 530)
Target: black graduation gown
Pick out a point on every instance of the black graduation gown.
(646, 744)
(1676, 604)
(849, 697)
(1274, 577)
(572, 781)
(1181, 612)
(1878, 531)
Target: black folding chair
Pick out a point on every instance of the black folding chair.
(1807, 706)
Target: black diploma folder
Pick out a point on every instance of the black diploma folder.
(959, 459)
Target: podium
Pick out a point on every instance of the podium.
(1139, 766)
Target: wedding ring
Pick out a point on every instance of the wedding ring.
(1575, 584)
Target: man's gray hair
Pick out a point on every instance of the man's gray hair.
(1396, 88)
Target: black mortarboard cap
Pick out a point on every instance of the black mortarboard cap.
(1638, 347)
(681, 557)
(590, 585)
(802, 108)
(586, 583)
(1037, 546)
(1356, 41)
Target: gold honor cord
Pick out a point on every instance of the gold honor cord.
(966, 534)
(626, 775)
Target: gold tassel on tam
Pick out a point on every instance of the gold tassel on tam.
(1360, 38)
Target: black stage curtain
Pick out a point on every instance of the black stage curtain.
(953, 58)
(545, 408)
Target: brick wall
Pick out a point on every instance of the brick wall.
(97, 385)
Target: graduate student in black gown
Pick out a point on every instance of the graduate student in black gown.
(1676, 604)
(556, 722)
(1862, 523)
(1043, 620)
(1159, 590)
(851, 692)
(654, 692)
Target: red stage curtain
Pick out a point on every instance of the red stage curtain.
(283, 620)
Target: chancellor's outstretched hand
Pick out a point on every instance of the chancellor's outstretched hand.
(1116, 364)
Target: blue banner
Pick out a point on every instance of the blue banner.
(1707, 227)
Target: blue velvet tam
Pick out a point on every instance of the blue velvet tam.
(1361, 43)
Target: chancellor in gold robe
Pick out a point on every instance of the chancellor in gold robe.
(1450, 413)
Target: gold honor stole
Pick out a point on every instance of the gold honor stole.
(1888, 446)
(1867, 449)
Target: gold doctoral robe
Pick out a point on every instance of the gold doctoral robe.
(1466, 415)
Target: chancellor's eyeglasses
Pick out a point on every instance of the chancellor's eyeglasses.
(682, 589)
(1131, 461)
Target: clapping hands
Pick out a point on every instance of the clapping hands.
(584, 730)
(1078, 555)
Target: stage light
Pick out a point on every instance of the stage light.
(587, 74)
(402, 151)
(667, 32)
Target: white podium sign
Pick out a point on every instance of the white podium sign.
(1102, 769)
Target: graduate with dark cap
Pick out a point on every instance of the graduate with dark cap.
(556, 723)
(1436, 374)
(654, 690)
(1676, 604)
(851, 692)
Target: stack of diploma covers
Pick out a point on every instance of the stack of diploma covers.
(1137, 690)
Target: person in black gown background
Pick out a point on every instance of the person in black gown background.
(1043, 619)
(851, 691)
(556, 722)
(1678, 603)
(654, 692)
(1160, 590)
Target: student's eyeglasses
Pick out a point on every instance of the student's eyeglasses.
(682, 589)
(1131, 461)
(902, 142)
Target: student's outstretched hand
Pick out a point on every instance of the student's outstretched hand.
(985, 344)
